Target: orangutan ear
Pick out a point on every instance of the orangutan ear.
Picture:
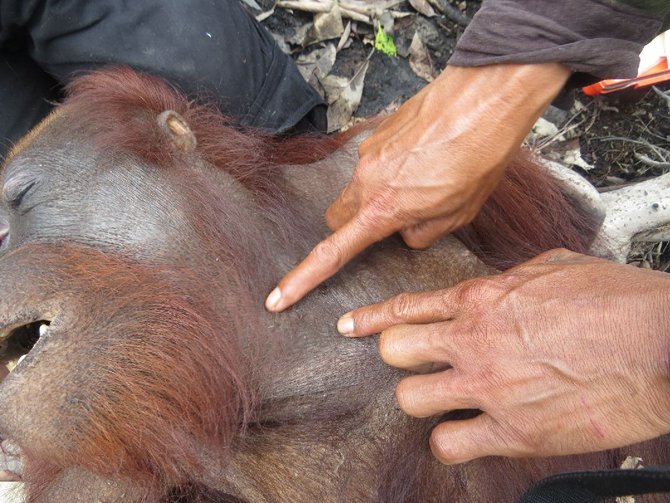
(176, 128)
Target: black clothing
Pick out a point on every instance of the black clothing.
(208, 48)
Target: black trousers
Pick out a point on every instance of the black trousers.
(212, 49)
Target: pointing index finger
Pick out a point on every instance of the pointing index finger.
(328, 257)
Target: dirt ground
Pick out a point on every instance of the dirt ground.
(614, 140)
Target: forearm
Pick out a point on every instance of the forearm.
(504, 101)
(599, 37)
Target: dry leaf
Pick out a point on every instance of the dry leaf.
(544, 129)
(282, 45)
(632, 463)
(345, 37)
(317, 63)
(300, 35)
(343, 96)
(327, 25)
(419, 59)
(571, 156)
(423, 7)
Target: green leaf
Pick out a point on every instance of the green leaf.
(384, 42)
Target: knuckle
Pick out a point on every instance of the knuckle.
(484, 289)
(401, 306)
(470, 291)
(328, 253)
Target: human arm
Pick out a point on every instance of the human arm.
(423, 172)
(563, 354)
(428, 169)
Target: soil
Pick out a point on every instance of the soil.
(622, 137)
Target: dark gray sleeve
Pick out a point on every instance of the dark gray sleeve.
(598, 37)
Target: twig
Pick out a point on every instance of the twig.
(630, 140)
(594, 118)
(264, 15)
(451, 12)
(659, 151)
(567, 127)
(355, 16)
(650, 162)
(365, 8)
(661, 94)
(306, 5)
(351, 9)
(562, 132)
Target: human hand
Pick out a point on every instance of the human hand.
(429, 168)
(563, 354)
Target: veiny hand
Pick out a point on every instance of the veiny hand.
(564, 354)
(428, 169)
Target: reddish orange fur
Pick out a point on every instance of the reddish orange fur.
(150, 333)
(526, 215)
(120, 106)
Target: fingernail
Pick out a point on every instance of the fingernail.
(273, 299)
(345, 325)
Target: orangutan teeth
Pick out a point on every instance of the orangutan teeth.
(18, 341)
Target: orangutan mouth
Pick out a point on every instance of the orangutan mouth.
(17, 341)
